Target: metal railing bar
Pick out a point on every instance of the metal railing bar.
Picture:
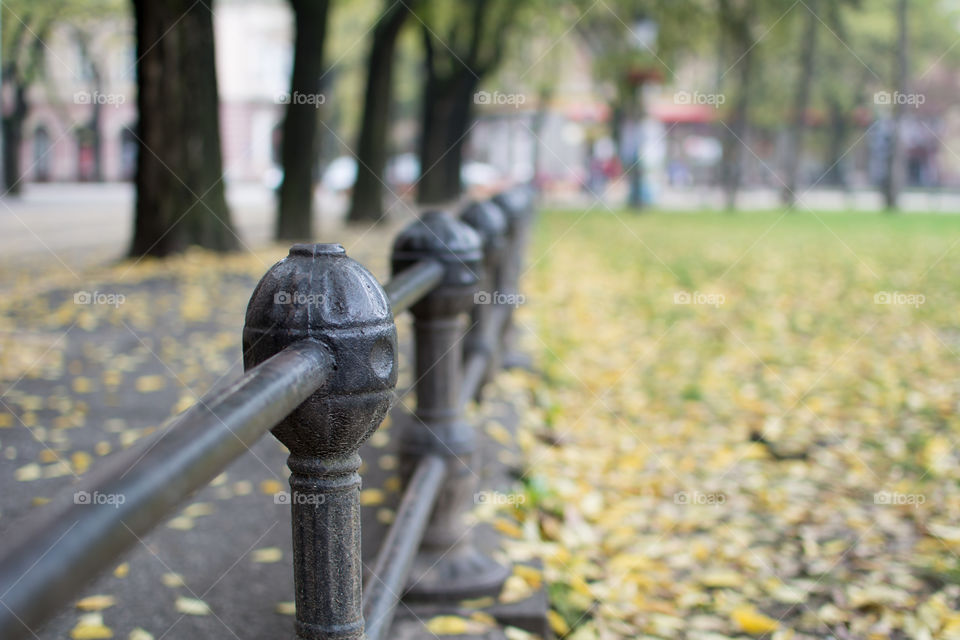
(477, 363)
(42, 568)
(410, 285)
(391, 569)
(474, 372)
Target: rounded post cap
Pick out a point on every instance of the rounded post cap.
(516, 202)
(488, 220)
(438, 236)
(317, 292)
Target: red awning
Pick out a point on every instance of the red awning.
(671, 113)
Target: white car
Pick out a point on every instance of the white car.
(404, 170)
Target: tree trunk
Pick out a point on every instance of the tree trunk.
(96, 141)
(13, 138)
(96, 107)
(794, 143)
(466, 88)
(448, 98)
(636, 169)
(893, 181)
(299, 147)
(447, 110)
(180, 194)
(837, 146)
(544, 95)
(367, 201)
(735, 135)
(13, 119)
(617, 117)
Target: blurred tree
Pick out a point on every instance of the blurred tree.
(743, 26)
(299, 146)
(92, 70)
(631, 41)
(367, 200)
(852, 64)
(180, 192)
(893, 178)
(463, 40)
(854, 56)
(801, 102)
(533, 62)
(25, 26)
(736, 20)
(623, 69)
(841, 87)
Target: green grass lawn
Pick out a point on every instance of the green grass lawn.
(757, 419)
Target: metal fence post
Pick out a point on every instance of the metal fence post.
(318, 293)
(517, 205)
(449, 565)
(486, 219)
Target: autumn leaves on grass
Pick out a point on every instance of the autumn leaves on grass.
(840, 522)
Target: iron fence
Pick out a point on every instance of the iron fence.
(320, 359)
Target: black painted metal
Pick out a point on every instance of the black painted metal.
(320, 351)
(449, 566)
(50, 556)
(388, 577)
(490, 222)
(407, 287)
(317, 292)
(517, 204)
(480, 365)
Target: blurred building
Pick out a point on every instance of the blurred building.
(90, 87)
(81, 122)
(87, 87)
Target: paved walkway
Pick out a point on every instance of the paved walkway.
(96, 219)
(79, 223)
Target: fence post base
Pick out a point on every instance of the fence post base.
(449, 566)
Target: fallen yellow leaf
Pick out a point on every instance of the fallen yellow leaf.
(557, 623)
(91, 627)
(371, 497)
(752, 621)
(96, 603)
(192, 606)
(270, 487)
(267, 555)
